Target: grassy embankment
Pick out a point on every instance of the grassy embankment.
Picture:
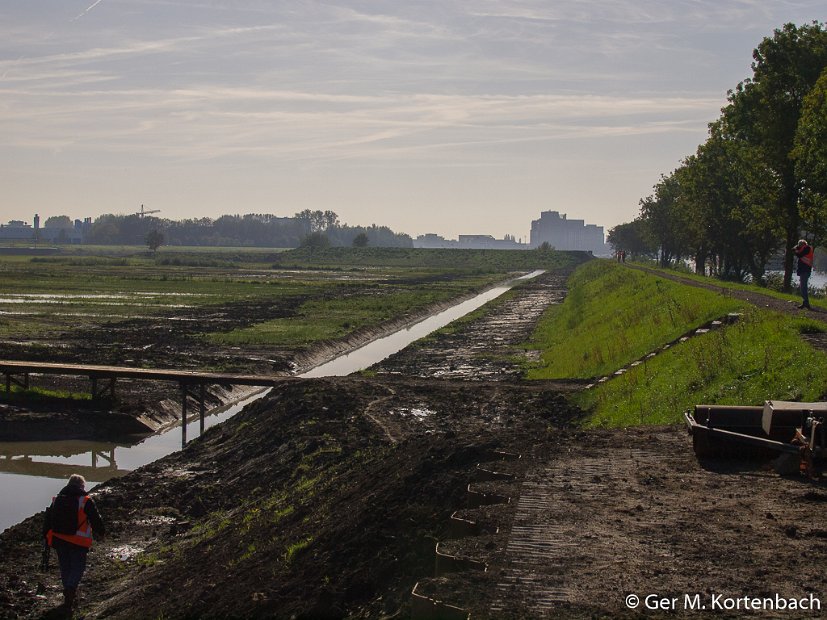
(614, 315)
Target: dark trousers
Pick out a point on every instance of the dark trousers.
(803, 280)
(72, 561)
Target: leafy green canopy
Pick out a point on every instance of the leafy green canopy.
(810, 154)
(756, 185)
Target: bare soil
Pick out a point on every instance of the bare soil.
(171, 342)
(328, 498)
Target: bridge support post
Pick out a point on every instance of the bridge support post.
(200, 396)
(183, 415)
(202, 408)
(10, 379)
(101, 393)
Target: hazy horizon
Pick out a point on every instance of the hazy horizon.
(445, 117)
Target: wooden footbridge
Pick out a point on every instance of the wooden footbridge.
(104, 379)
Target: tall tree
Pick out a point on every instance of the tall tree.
(58, 221)
(361, 240)
(666, 220)
(729, 197)
(154, 239)
(632, 237)
(810, 156)
(764, 112)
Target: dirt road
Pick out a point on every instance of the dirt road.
(614, 514)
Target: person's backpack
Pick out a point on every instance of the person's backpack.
(64, 514)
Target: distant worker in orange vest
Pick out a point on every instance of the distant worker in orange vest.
(805, 253)
(70, 521)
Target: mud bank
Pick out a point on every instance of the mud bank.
(324, 352)
(131, 416)
(486, 348)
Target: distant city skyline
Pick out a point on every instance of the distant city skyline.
(427, 117)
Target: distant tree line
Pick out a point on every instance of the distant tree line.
(251, 230)
(759, 182)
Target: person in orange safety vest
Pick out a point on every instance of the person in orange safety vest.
(805, 253)
(70, 522)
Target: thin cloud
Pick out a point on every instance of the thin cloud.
(89, 8)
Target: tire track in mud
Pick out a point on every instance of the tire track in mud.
(633, 513)
(545, 547)
(482, 349)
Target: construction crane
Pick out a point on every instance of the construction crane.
(144, 212)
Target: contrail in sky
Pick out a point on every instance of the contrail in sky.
(91, 6)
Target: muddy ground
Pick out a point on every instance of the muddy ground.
(390, 496)
(167, 343)
(485, 349)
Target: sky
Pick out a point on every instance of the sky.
(445, 116)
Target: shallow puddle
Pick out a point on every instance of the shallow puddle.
(124, 553)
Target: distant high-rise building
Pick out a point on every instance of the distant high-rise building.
(564, 234)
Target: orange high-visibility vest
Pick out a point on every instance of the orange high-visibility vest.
(83, 536)
(807, 257)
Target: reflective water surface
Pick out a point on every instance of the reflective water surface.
(32, 472)
(376, 351)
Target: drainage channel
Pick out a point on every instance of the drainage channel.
(32, 472)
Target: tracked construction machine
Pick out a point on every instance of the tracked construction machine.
(794, 433)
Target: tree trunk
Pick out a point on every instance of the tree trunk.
(792, 227)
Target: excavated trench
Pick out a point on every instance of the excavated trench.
(483, 349)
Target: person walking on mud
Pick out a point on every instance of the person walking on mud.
(805, 253)
(70, 521)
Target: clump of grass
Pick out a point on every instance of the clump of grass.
(42, 395)
(189, 261)
(295, 548)
(336, 316)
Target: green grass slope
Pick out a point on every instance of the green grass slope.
(614, 315)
